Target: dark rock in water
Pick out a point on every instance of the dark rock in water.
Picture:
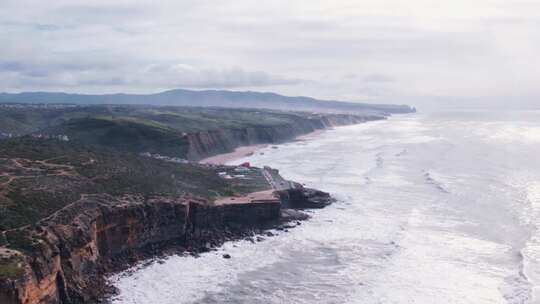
(206, 248)
(293, 215)
(305, 198)
(260, 239)
(269, 233)
(226, 256)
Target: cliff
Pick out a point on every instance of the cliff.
(208, 143)
(71, 213)
(62, 259)
(181, 132)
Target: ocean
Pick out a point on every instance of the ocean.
(440, 207)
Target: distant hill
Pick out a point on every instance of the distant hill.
(208, 98)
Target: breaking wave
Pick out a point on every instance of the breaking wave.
(434, 208)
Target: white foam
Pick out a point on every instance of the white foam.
(393, 237)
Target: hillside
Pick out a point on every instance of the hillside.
(70, 214)
(86, 190)
(185, 132)
(41, 176)
(209, 98)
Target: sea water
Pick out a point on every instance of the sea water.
(432, 208)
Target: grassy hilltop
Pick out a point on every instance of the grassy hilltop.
(39, 177)
(138, 129)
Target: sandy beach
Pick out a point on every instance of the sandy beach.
(239, 152)
(244, 151)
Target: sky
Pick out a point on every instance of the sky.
(417, 51)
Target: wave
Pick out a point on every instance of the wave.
(509, 133)
(520, 285)
(428, 178)
(401, 153)
(529, 255)
(379, 160)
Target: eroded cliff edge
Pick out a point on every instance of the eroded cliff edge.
(65, 257)
(70, 214)
(176, 132)
(211, 142)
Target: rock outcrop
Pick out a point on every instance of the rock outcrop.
(112, 217)
(304, 198)
(63, 258)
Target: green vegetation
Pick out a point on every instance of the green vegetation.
(102, 156)
(133, 128)
(50, 174)
(134, 120)
(22, 240)
(128, 135)
(25, 119)
(11, 268)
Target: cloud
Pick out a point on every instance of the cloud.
(372, 49)
(184, 75)
(378, 78)
(73, 73)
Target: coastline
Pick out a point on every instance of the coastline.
(244, 151)
(111, 210)
(239, 152)
(178, 225)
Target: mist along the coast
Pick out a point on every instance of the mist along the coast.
(433, 208)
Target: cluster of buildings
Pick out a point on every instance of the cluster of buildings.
(6, 135)
(61, 137)
(36, 106)
(177, 160)
(238, 172)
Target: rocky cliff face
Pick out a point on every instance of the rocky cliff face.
(209, 143)
(63, 258)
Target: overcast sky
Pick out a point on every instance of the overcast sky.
(376, 50)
